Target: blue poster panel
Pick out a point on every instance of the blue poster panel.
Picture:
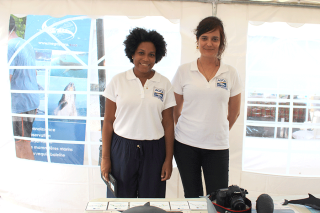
(73, 130)
(72, 32)
(60, 43)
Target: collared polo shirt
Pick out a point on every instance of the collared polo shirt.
(23, 79)
(139, 108)
(203, 122)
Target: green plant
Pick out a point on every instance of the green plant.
(20, 25)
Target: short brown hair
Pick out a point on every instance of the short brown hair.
(209, 24)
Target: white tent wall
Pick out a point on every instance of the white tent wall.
(63, 188)
(50, 187)
(236, 18)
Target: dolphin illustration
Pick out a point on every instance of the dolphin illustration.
(67, 103)
(67, 70)
(69, 63)
(311, 201)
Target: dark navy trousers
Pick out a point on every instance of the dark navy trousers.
(136, 166)
(190, 160)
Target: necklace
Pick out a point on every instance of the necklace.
(208, 77)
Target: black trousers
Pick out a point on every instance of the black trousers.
(137, 165)
(190, 160)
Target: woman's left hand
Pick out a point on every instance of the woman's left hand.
(166, 170)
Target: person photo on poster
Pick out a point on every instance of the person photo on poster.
(22, 79)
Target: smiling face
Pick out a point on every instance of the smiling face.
(144, 58)
(209, 43)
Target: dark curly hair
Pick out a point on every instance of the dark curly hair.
(209, 24)
(139, 35)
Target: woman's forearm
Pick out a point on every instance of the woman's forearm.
(234, 109)
(107, 132)
(168, 127)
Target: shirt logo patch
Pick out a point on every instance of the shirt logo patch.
(158, 93)
(222, 83)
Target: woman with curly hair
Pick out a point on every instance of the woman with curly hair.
(208, 95)
(138, 129)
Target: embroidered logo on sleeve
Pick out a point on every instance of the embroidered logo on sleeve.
(158, 93)
(222, 83)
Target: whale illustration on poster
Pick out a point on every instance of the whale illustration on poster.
(67, 103)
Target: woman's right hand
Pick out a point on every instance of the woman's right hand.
(105, 168)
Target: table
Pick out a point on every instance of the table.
(141, 201)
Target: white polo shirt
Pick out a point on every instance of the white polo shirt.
(203, 122)
(139, 109)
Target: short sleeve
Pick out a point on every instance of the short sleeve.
(176, 83)
(170, 99)
(236, 86)
(110, 91)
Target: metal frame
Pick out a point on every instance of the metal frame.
(293, 3)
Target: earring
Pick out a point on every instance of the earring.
(197, 47)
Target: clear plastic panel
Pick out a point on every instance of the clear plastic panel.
(284, 96)
(262, 102)
(70, 69)
(95, 130)
(261, 95)
(300, 97)
(95, 105)
(283, 114)
(260, 131)
(299, 115)
(283, 132)
(304, 164)
(269, 70)
(256, 113)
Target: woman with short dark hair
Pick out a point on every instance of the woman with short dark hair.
(208, 96)
(138, 129)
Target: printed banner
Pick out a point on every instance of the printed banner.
(60, 42)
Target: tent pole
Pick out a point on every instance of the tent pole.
(101, 72)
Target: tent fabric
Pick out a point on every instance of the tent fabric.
(64, 188)
(236, 18)
(53, 187)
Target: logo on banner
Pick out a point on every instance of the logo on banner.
(64, 31)
(158, 93)
(222, 83)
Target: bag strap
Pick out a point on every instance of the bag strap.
(222, 209)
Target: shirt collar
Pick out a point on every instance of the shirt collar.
(194, 66)
(131, 76)
(222, 69)
(156, 77)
